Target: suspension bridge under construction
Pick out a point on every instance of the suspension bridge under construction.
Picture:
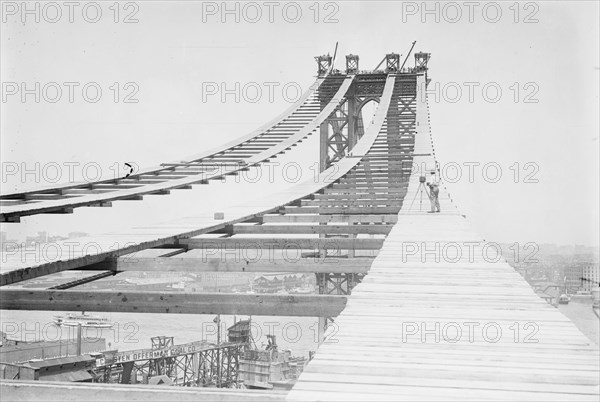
(420, 312)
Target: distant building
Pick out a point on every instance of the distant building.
(15, 351)
(220, 282)
(574, 277)
(41, 238)
(591, 277)
(74, 235)
(7, 244)
(71, 369)
(555, 275)
(272, 283)
(239, 332)
(157, 284)
(582, 276)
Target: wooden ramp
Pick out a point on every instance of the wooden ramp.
(266, 142)
(440, 317)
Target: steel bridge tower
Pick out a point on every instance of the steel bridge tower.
(344, 127)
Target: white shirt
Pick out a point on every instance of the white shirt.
(433, 179)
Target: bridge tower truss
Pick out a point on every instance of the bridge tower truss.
(340, 132)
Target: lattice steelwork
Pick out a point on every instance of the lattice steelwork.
(219, 367)
(323, 64)
(421, 60)
(215, 366)
(392, 62)
(337, 284)
(351, 64)
(341, 131)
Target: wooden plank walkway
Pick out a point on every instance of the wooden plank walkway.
(428, 324)
(287, 130)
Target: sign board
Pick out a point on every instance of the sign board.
(147, 354)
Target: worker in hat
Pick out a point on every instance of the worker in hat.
(434, 192)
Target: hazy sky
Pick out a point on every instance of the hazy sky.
(545, 119)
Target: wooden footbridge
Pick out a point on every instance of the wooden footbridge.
(432, 314)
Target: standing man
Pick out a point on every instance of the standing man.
(434, 191)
